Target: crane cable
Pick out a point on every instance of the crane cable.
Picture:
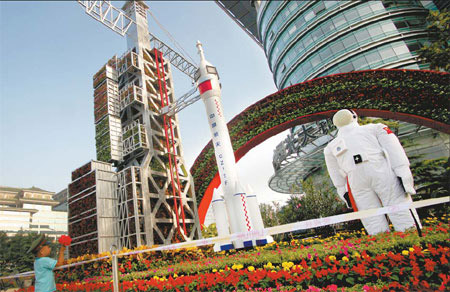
(170, 36)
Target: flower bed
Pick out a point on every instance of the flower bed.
(345, 262)
(414, 92)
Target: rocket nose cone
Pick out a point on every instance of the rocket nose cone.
(200, 51)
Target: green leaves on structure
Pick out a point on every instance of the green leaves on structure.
(103, 140)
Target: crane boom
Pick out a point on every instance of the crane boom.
(119, 22)
(106, 13)
(184, 101)
(175, 59)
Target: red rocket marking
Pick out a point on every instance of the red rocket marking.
(387, 130)
(245, 212)
(205, 86)
(218, 107)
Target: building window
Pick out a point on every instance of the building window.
(400, 24)
(373, 57)
(315, 60)
(347, 68)
(351, 15)
(339, 20)
(413, 47)
(400, 50)
(375, 31)
(359, 63)
(349, 41)
(362, 35)
(310, 15)
(388, 26)
(337, 47)
(319, 8)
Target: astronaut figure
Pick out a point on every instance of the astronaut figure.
(377, 168)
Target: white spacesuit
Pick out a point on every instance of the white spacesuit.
(373, 160)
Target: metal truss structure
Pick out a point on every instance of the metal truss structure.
(119, 22)
(109, 15)
(174, 58)
(184, 101)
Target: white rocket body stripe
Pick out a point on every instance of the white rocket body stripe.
(255, 213)
(239, 213)
(220, 215)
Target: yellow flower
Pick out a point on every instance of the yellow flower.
(411, 249)
(237, 267)
(345, 259)
(287, 265)
(405, 252)
(332, 258)
(251, 268)
(269, 266)
(356, 254)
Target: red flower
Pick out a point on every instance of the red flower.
(65, 240)
(443, 260)
(429, 265)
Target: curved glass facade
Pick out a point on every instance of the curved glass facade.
(307, 39)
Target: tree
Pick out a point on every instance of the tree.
(13, 253)
(432, 180)
(437, 53)
(319, 200)
(269, 214)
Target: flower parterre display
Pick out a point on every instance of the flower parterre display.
(345, 262)
(82, 207)
(423, 94)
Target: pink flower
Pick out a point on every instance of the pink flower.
(332, 287)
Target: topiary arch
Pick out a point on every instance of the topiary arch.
(415, 96)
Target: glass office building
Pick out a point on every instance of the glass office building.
(308, 39)
(304, 40)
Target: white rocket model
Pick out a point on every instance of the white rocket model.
(234, 197)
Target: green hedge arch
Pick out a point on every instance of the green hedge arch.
(415, 96)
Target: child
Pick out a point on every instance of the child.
(43, 265)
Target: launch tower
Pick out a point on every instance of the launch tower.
(154, 191)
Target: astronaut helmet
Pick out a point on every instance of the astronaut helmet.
(344, 117)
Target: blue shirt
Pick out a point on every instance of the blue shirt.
(43, 272)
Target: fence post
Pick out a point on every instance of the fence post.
(115, 268)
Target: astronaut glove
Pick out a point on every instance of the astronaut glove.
(408, 185)
(406, 179)
(347, 200)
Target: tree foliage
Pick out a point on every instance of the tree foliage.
(432, 180)
(319, 200)
(13, 253)
(269, 214)
(437, 53)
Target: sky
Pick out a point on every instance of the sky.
(49, 52)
